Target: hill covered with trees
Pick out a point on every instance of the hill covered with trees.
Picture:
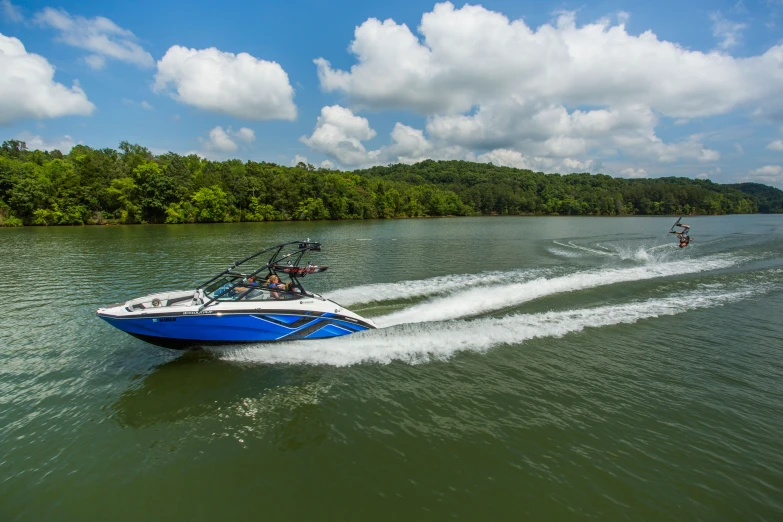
(131, 185)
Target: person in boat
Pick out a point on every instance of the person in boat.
(273, 283)
(293, 290)
(250, 284)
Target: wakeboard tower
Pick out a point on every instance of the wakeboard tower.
(240, 305)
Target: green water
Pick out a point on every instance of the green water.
(527, 368)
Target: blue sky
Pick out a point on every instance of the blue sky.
(631, 89)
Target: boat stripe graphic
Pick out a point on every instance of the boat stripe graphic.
(304, 332)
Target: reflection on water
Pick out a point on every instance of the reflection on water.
(283, 404)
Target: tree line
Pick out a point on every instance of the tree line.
(132, 185)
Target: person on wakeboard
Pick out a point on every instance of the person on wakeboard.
(683, 236)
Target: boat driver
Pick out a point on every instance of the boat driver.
(249, 284)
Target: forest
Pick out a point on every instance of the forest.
(131, 185)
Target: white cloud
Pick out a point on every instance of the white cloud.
(298, 159)
(326, 164)
(559, 92)
(728, 32)
(767, 174)
(246, 135)
(144, 104)
(339, 133)
(99, 35)
(512, 158)
(10, 11)
(225, 140)
(551, 131)
(28, 89)
(709, 173)
(472, 56)
(95, 61)
(220, 141)
(408, 144)
(776, 145)
(239, 85)
(633, 173)
(63, 143)
(738, 148)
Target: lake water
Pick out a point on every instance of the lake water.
(528, 368)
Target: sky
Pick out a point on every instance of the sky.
(629, 89)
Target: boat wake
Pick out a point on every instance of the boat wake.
(380, 292)
(642, 254)
(417, 343)
(571, 245)
(476, 301)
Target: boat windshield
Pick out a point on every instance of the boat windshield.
(239, 288)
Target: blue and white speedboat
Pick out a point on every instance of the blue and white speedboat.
(240, 305)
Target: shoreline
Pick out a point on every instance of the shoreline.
(388, 219)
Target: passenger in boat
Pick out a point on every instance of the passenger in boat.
(273, 283)
(292, 290)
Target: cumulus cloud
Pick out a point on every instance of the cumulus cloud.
(339, 133)
(225, 140)
(10, 11)
(726, 31)
(239, 85)
(298, 159)
(99, 35)
(709, 173)
(557, 96)
(776, 145)
(62, 143)
(549, 130)
(473, 56)
(28, 89)
(767, 174)
(144, 104)
(512, 158)
(633, 173)
(326, 164)
(246, 135)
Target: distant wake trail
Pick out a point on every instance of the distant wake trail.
(415, 343)
(487, 299)
(436, 285)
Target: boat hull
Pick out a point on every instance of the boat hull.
(187, 330)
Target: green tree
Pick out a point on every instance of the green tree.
(210, 204)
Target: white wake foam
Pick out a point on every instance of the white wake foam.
(570, 244)
(486, 299)
(436, 285)
(415, 343)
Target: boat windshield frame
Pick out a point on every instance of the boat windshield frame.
(291, 253)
